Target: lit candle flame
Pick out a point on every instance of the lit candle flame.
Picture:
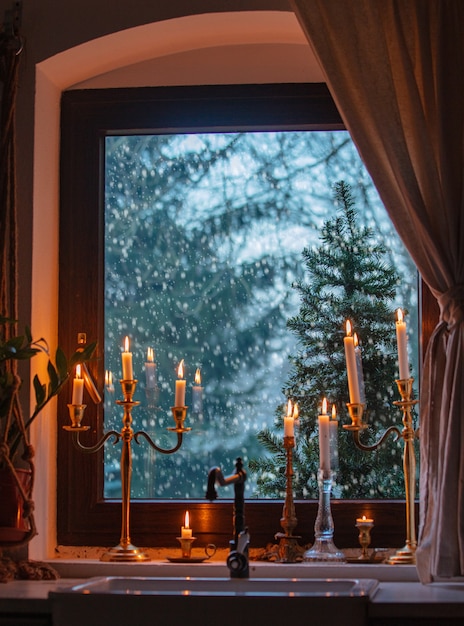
(198, 377)
(334, 412)
(180, 369)
(348, 328)
(78, 371)
(324, 406)
(150, 355)
(355, 340)
(126, 344)
(187, 520)
(289, 409)
(296, 411)
(399, 315)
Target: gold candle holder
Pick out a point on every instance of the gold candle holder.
(407, 554)
(288, 550)
(356, 412)
(125, 551)
(179, 414)
(186, 546)
(76, 415)
(364, 525)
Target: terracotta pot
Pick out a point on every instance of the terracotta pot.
(13, 526)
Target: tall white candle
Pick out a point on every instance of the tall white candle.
(359, 369)
(78, 387)
(150, 369)
(127, 371)
(333, 430)
(324, 438)
(351, 369)
(402, 341)
(289, 422)
(180, 386)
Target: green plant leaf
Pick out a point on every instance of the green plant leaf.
(15, 344)
(40, 391)
(80, 356)
(54, 379)
(61, 363)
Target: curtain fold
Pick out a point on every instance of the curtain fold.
(395, 69)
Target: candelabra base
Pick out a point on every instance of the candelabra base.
(288, 550)
(125, 554)
(403, 556)
(324, 550)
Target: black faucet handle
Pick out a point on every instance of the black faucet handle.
(211, 493)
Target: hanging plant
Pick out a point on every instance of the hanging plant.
(16, 453)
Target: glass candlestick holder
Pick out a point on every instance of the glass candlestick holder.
(324, 548)
(364, 526)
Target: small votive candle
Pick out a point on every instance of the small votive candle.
(185, 531)
(186, 538)
(364, 524)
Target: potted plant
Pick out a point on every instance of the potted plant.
(17, 525)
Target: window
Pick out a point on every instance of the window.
(89, 121)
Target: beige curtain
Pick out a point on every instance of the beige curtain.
(396, 71)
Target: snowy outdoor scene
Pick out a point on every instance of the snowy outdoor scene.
(204, 235)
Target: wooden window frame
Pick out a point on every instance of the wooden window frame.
(84, 517)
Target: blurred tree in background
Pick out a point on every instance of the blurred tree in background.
(347, 277)
(203, 240)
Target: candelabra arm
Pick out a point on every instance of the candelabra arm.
(147, 437)
(95, 448)
(391, 430)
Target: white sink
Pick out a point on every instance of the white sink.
(226, 586)
(120, 601)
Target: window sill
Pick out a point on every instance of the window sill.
(85, 567)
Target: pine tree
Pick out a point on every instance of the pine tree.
(347, 277)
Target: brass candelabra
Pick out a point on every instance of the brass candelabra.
(125, 551)
(288, 551)
(407, 554)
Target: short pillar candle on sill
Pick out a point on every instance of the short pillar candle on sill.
(186, 539)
